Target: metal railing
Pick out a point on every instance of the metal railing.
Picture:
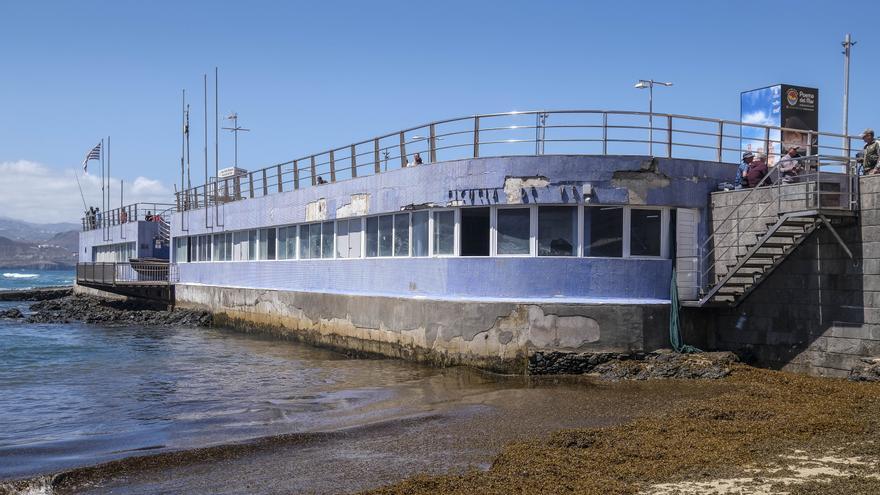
(127, 273)
(592, 132)
(818, 183)
(150, 212)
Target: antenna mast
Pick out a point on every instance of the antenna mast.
(235, 129)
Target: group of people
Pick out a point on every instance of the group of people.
(93, 217)
(753, 168)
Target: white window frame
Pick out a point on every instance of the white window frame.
(493, 236)
(664, 232)
(456, 219)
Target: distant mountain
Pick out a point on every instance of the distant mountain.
(58, 253)
(18, 230)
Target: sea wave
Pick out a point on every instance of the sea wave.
(20, 275)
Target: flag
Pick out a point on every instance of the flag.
(94, 154)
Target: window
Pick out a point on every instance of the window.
(252, 245)
(287, 243)
(444, 232)
(315, 241)
(557, 227)
(475, 232)
(420, 233)
(386, 232)
(603, 231)
(645, 232)
(304, 251)
(240, 245)
(401, 234)
(348, 238)
(513, 228)
(327, 240)
(180, 248)
(267, 244)
(372, 237)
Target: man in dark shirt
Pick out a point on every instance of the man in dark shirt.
(757, 171)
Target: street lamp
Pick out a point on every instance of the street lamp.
(649, 84)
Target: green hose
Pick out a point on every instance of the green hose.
(674, 329)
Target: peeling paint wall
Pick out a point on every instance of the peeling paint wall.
(493, 335)
(358, 207)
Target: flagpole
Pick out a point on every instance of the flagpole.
(107, 213)
(103, 194)
(182, 143)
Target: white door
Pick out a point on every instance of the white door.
(687, 254)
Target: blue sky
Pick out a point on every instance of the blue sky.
(308, 76)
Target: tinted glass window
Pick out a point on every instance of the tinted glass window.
(372, 237)
(386, 231)
(603, 231)
(513, 230)
(644, 233)
(327, 240)
(401, 234)
(557, 226)
(444, 232)
(420, 233)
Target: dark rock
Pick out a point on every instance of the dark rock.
(94, 310)
(11, 313)
(42, 294)
(867, 372)
(636, 366)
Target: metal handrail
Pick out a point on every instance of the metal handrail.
(115, 273)
(369, 156)
(707, 264)
(133, 212)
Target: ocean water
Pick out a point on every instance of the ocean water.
(76, 394)
(21, 279)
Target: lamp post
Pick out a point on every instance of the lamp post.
(649, 84)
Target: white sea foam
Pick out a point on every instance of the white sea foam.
(20, 275)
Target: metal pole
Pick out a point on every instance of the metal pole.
(651, 118)
(847, 46)
(216, 123)
(205, 80)
(182, 138)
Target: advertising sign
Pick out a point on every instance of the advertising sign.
(794, 108)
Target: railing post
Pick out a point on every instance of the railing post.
(265, 184)
(767, 143)
(354, 168)
(720, 141)
(332, 166)
(432, 142)
(377, 166)
(295, 174)
(280, 178)
(476, 137)
(250, 184)
(402, 150)
(314, 174)
(604, 133)
(669, 136)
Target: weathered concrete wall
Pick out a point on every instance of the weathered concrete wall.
(819, 312)
(492, 335)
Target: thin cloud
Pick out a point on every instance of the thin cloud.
(37, 193)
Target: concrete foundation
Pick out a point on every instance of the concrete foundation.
(498, 336)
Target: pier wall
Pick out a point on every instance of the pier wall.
(488, 334)
(819, 311)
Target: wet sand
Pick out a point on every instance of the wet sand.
(449, 422)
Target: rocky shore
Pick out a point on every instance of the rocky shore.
(90, 309)
(634, 366)
(52, 308)
(41, 294)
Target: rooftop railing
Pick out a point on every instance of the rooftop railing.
(557, 132)
(150, 212)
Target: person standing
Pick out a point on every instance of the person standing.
(789, 166)
(757, 171)
(871, 153)
(742, 170)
